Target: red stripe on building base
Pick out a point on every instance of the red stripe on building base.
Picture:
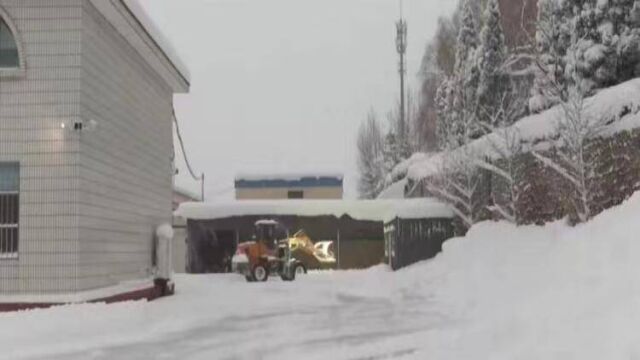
(160, 289)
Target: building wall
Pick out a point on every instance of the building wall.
(282, 193)
(125, 165)
(33, 104)
(408, 241)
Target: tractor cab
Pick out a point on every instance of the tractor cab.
(269, 232)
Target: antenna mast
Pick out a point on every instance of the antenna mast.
(401, 48)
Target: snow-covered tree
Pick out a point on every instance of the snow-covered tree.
(458, 183)
(415, 139)
(595, 40)
(467, 40)
(490, 57)
(575, 128)
(506, 145)
(391, 152)
(457, 124)
(618, 31)
(370, 158)
(444, 108)
(552, 39)
(587, 55)
(465, 80)
(582, 45)
(400, 141)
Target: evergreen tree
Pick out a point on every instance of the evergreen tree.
(490, 56)
(591, 44)
(444, 109)
(370, 158)
(465, 79)
(457, 122)
(588, 59)
(618, 27)
(553, 37)
(467, 40)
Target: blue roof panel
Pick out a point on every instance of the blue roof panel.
(310, 181)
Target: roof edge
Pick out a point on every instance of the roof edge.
(139, 35)
(177, 64)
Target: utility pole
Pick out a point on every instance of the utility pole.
(401, 48)
(202, 188)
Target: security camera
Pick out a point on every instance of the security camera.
(88, 125)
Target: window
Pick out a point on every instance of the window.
(9, 57)
(9, 209)
(296, 195)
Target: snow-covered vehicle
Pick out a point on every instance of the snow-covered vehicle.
(267, 255)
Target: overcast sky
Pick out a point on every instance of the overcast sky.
(281, 86)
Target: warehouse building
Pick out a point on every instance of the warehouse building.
(356, 228)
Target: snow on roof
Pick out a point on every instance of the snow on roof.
(619, 105)
(394, 191)
(266, 222)
(186, 192)
(157, 36)
(373, 210)
(401, 169)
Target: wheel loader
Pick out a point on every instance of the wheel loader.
(267, 255)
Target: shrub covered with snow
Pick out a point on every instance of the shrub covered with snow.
(541, 192)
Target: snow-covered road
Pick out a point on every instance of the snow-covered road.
(335, 315)
(502, 293)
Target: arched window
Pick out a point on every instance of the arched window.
(9, 57)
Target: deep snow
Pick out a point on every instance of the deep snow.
(501, 292)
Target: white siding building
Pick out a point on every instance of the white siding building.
(86, 96)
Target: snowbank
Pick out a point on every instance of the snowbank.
(538, 292)
(373, 210)
(618, 105)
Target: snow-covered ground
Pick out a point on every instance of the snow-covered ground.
(500, 293)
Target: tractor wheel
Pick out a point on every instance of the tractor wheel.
(260, 273)
(299, 269)
(288, 275)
